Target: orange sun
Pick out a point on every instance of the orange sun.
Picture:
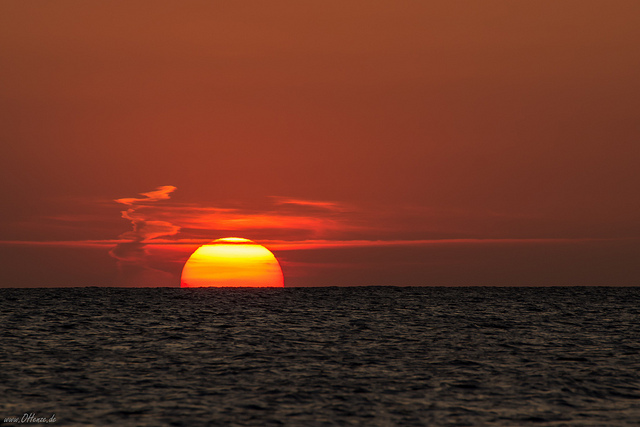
(232, 262)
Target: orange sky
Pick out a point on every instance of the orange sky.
(378, 142)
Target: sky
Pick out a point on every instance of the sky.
(421, 143)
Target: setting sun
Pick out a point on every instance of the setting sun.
(232, 262)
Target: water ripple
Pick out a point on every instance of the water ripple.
(323, 356)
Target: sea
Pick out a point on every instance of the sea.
(332, 356)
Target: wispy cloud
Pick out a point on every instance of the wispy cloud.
(239, 220)
(330, 244)
(160, 193)
(283, 218)
(160, 225)
(285, 245)
(130, 252)
(330, 206)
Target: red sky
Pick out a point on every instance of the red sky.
(378, 142)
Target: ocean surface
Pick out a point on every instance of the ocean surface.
(371, 356)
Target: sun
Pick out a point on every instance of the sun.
(232, 262)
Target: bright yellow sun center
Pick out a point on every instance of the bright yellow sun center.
(232, 262)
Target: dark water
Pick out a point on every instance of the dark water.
(322, 356)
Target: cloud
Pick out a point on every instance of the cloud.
(335, 244)
(239, 221)
(160, 193)
(330, 206)
(296, 245)
(145, 229)
(292, 219)
(131, 253)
